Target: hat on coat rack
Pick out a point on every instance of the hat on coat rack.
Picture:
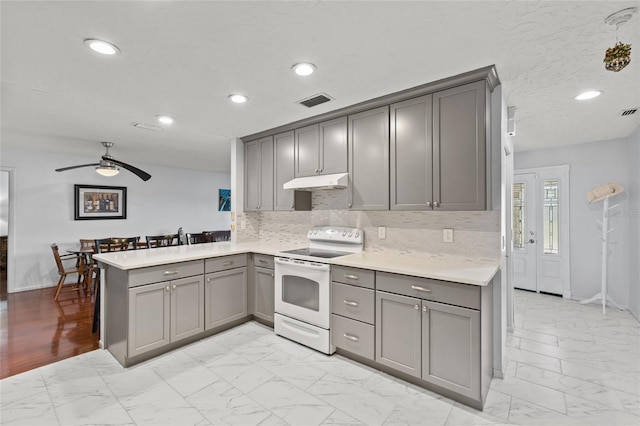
(601, 192)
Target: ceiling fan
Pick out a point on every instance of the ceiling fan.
(108, 166)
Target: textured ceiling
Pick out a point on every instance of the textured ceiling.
(183, 58)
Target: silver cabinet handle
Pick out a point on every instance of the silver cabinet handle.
(351, 337)
(228, 263)
(350, 205)
(264, 262)
(351, 276)
(531, 241)
(320, 170)
(350, 303)
(316, 170)
(415, 287)
(436, 204)
(209, 280)
(169, 272)
(293, 206)
(167, 288)
(174, 286)
(417, 307)
(428, 203)
(424, 309)
(273, 275)
(257, 207)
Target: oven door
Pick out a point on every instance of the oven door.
(302, 291)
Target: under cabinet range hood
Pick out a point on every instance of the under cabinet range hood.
(333, 181)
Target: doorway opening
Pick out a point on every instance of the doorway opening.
(4, 231)
(541, 230)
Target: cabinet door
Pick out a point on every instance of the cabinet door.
(459, 148)
(411, 154)
(225, 295)
(149, 318)
(283, 165)
(187, 307)
(451, 348)
(264, 293)
(266, 174)
(369, 160)
(307, 151)
(333, 146)
(398, 332)
(251, 176)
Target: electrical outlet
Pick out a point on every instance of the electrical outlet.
(243, 224)
(382, 232)
(447, 235)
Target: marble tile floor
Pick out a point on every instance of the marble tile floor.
(567, 365)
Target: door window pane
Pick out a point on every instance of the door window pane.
(300, 291)
(551, 217)
(518, 215)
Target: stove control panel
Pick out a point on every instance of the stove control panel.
(337, 234)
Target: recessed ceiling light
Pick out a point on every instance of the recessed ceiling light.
(239, 99)
(304, 68)
(588, 95)
(101, 46)
(164, 119)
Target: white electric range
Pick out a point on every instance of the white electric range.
(303, 285)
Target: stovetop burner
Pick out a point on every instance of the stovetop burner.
(324, 254)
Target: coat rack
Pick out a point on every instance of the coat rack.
(603, 193)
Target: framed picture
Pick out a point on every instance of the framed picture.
(100, 202)
(224, 200)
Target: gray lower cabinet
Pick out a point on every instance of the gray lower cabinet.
(164, 313)
(398, 332)
(258, 175)
(369, 160)
(263, 293)
(225, 297)
(451, 348)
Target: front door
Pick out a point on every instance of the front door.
(541, 230)
(524, 232)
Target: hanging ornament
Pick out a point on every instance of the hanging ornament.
(618, 56)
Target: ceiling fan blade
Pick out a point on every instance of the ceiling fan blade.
(63, 169)
(140, 173)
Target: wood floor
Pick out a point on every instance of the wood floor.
(35, 330)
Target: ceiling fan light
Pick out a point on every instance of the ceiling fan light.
(588, 95)
(107, 171)
(102, 46)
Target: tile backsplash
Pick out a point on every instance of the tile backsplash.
(412, 233)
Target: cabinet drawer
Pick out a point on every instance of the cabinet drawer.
(353, 302)
(174, 271)
(353, 276)
(263, 261)
(457, 294)
(226, 262)
(353, 336)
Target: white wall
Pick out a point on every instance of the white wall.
(592, 164)
(634, 222)
(44, 211)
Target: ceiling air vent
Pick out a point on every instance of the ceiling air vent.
(314, 100)
(147, 126)
(628, 112)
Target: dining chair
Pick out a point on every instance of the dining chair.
(87, 246)
(162, 240)
(199, 238)
(107, 245)
(221, 236)
(77, 268)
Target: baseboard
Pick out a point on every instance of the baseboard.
(566, 294)
(35, 287)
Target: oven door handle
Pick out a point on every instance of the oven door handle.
(303, 264)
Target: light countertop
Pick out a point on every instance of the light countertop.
(456, 269)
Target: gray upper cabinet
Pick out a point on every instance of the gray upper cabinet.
(321, 148)
(283, 166)
(369, 160)
(411, 154)
(459, 148)
(258, 175)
